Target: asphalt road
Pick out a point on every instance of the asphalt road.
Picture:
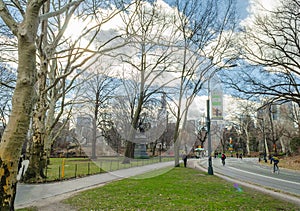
(250, 171)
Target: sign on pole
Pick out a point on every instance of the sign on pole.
(217, 104)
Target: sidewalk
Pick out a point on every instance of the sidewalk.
(28, 194)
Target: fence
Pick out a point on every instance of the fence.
(66, 168)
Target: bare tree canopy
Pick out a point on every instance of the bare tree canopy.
(270, 55)
(158, 50)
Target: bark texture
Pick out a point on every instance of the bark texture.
(22, 103)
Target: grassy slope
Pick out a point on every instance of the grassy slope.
(178, 189)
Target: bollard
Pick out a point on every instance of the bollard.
(63, 168)
(75, 170)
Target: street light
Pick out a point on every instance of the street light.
(210, 168)
(208, 119)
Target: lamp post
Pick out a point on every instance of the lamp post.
(208, 119)
(210, 168)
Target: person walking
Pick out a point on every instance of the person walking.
(184, 158)
(223, 158)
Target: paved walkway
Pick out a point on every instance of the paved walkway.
(28, 194)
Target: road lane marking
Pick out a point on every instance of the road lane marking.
(248, 172)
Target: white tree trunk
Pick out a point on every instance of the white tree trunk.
(282, 145)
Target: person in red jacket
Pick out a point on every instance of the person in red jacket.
(223, 158)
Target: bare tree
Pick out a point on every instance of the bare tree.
(279, 127)
(289, 118)
(146, 60)
(7, 84)
(243, 118)
(27, 22)
(271, 46)
(62, 60)
(206, 30)
(25, 29)
(97, 89)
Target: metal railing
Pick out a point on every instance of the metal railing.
(67, 168)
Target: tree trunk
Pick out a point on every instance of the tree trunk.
(37, 158)
(94, 138)
(49, 136)
(154, 148)
(176, 144)
(247, 142)
(266, 147)
(129, 152)
(22, 103)
(17, 127)
(129, 149)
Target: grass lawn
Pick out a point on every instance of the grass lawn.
(73, 167)
(176, 189)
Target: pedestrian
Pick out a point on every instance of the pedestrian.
(184, 158)
(241, 156)
(223, 158)
(237, 155)
(265, 158)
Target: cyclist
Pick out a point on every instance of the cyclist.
(275, 161)
(223, 157)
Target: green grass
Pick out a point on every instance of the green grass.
(175, 189)
(28, 209)
(74, 167)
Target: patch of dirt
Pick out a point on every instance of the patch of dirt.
(290, 162)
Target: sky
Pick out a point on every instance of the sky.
(242, 6)
(246, 10)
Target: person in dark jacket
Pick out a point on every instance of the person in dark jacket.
(184, 158)
(275, 160)
(223, 158)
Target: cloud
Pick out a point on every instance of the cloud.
(258, 8)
